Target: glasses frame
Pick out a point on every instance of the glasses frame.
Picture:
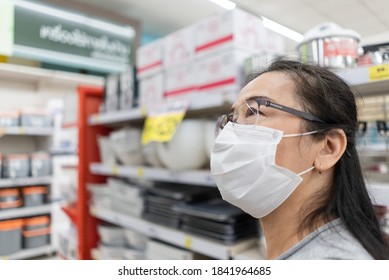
(268, 103)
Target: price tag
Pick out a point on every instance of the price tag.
(188, 242)
(22, 130)
(143, 112)
(379, 72)
(140, 172)
(4, 257)
(161, 126)
(115, 170)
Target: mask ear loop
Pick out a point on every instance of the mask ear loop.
(306, 171)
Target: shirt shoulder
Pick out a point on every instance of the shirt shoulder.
(331, 241)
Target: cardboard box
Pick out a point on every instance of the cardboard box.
(181, 82)
(231, 29)
(151, 90)
(179, 47)
(149, 59)
(222, 73)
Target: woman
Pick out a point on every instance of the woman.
(286, 155)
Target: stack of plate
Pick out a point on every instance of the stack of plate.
(160, 202)
(218, 220)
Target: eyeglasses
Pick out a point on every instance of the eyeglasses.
(248, 113)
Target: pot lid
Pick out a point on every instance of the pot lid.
(329, 29)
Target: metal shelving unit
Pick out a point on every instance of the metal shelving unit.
(20, 182)
(174, 236)
(28, 131)
(201, 106)
(193, 177)
(29, 253)
(364, 82)
(25, 212)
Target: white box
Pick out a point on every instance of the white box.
(151, 90)
(181, 82)
(149, 59)
(236, 28)
(222, 73)
(179, 47)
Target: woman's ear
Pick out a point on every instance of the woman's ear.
(331, 149)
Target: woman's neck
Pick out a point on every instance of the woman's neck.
(282, 227)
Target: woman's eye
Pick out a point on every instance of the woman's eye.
(251, 111)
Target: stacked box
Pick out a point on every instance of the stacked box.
(233, 29)
(149, 59)
(179, 48)
(221, 73)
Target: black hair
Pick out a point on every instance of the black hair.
(325, 95)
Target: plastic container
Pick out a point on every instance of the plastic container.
(34, 196)
(10, 236)
(36, 232)
(10, 198)
(111, 235)
(9, 119)
(35, 117)
(16, 166)
(135, 240)
(40, 164)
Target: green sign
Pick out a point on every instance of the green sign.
(6, 27)
(52, 35)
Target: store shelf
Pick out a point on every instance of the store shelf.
(202, 106)
(174, 236)
(29, 253)
(25, 212)
(117, 117)
(41, 76)
(193, 177)
(28, 131)
(19, 182)
(362, 83)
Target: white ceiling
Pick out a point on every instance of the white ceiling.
(370, 18)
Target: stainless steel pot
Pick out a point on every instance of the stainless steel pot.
(330, 46)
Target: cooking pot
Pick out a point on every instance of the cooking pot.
(330, 45)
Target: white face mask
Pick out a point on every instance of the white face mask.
(243, 166)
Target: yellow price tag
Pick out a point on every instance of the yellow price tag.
(140, 172)
(4, 257)
(96, 118)
(188, 242)
(379, 72)
(115, 170)
(143, 112)
(22, 130)
(161, 128)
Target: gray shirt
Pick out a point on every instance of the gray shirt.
(331, 241)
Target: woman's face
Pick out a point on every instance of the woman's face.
(294, 153)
